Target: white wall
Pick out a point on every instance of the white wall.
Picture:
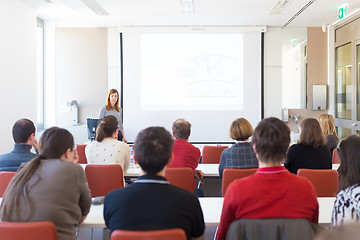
(17, 67)
(273, 78)
(81, 71)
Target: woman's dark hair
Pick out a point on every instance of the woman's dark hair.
(153, 148)
(349, 153)
(311, 133)
(106, 128)
(53, 143)
(241, 129)
(271, 139)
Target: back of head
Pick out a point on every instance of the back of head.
(54, 142)
(22, 130)
(181, 129)
(153, 148)
(106, 128)
(349, 153)
(240, 129)
(327, 124)
(271, 139)
(311, 133)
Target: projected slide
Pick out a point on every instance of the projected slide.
(192, 72)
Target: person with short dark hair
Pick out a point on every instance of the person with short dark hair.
(346, 207)
(23, 133)
(151, 203)
(241, 154)
(311, 151)
(272, 192)
(185, 154)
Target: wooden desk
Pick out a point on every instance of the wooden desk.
(212, 207)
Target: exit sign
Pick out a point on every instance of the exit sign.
(343, 11)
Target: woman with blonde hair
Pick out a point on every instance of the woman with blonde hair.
(112, 108)
(241, 154)
(107, 149)
(327, 124)
(310, 152)
(50, 187)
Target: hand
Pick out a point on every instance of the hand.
(76, 156)
(199, 174)
(35, 145)
(82, 219)
(124, 139)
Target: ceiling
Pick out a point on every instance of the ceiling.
(74, 13)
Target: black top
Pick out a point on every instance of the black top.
(151, 203)
(331, 142)
(304, 156)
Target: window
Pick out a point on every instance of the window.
(40, 73)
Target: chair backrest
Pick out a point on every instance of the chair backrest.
(104, 178)
(212, 154)
(231, 174)
(272, 229)
(28, 231)
(5, 178)
(325, 181)
(80, 148)
(335, 157)
(181, 177)
(167, 234)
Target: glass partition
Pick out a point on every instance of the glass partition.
(343, 82)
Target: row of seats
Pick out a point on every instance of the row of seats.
(325, 181)
(105, 178)
(210, 154)
(47, 231)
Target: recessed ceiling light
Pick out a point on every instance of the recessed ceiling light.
(96, 7)
(278, 7)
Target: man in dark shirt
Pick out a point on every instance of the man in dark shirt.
(151, 203)
(24, 136)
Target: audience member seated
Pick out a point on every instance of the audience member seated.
(241, 154)
(185, 154)
(310, 152)
(24, 136)
(51, 187)
(346, 206)
(107, 149)
(327, 124)
(151, 203)
(272, 192)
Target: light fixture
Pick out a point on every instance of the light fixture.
(96, 7)
(278, 7)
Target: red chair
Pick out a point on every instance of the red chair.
(104, 178)
(212, 154)
(335, 157)
(232, 174)
(81, 152)
(181, 177)
(167, 234)
(5, 178)
(325, 181)
(28, 231)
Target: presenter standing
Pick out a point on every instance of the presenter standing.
(112, 108)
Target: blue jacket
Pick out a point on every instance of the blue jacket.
(12, 160)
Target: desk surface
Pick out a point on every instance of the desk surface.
(209, 170)
(212, 207)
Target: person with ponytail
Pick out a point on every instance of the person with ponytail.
(107, 149)
(50, 187)
(112, 108)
